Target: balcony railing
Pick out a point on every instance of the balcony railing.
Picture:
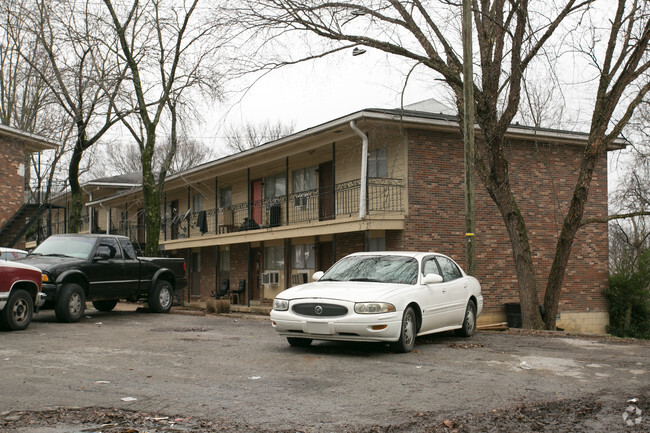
(384, 196)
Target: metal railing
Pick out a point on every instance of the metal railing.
(384, 196)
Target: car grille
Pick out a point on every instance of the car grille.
(325, 310)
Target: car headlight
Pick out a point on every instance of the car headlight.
(280, 304)
(373, 307)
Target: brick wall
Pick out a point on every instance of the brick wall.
(348, 243)
(542, 178)
(12, 187)
(239, 267)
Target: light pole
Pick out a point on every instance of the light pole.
(468, 138)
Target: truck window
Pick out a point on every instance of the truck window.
(112, 246)
(127, 248)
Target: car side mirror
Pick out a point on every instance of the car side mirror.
(432, 279)
(317, 275)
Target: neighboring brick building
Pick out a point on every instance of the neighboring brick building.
(15, 147)
(273, 215)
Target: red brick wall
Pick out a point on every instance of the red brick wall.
(348, 243)
(12, 186)
(542, 178)
(239, 267)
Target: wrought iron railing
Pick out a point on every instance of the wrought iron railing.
(384, 196)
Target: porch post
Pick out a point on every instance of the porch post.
(286, 187)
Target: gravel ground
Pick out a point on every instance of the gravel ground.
(233, 374)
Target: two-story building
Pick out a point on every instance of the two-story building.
(377, 179)
(19, 202)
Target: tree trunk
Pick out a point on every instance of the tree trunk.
(151, 197)
(521, 253)
(570, 227)
(75, 192)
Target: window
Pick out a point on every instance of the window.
(274, 257)
(429, 266)
(274, 186)
(302, 256)
(127, 247)
(197, 203)
(449, 269)
(225, 196)
(377, 244)
(110, 245)
(304, 179)
(378, 163)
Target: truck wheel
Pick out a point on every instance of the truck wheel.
(18, 311)
(160, 300)
(70, 304)
(105, 305)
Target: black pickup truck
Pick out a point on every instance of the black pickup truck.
(102, 269)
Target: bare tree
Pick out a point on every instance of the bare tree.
(25, 100)
(189, 154)
(80, 75)
(511, 36)
(239, 139)
(167, 48)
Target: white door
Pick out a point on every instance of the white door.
(437, 299)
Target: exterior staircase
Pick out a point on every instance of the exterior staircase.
(14, 230)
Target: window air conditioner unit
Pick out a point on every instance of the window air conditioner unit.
(302, 277)
(271, 278)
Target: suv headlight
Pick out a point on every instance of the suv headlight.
(280, 304)
(373, 307)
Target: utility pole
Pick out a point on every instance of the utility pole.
(468, 138)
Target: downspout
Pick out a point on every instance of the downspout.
(363, 193)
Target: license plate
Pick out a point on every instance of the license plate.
(318, 328)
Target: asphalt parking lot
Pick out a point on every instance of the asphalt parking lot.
(139, 372)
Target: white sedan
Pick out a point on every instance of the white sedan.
(380, 296)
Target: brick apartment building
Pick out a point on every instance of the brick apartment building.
(268, 218)
(17, 204)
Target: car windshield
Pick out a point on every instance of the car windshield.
(78, 247)
(382, 269)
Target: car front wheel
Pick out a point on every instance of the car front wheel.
(160, 300)
(469, 321)
(407, 335)
(71, 304)
(18, 311)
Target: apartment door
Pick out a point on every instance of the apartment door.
(195, 277)
(256, 192)
(326, 191)
(325, 256)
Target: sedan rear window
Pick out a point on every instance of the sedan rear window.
(382, 269)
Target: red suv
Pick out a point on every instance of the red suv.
(20, 294)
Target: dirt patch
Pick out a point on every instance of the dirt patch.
(593, 413)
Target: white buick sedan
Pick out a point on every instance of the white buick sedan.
(380, 296)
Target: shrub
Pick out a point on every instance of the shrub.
(629, 300)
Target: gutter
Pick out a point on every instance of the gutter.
(363, 193)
